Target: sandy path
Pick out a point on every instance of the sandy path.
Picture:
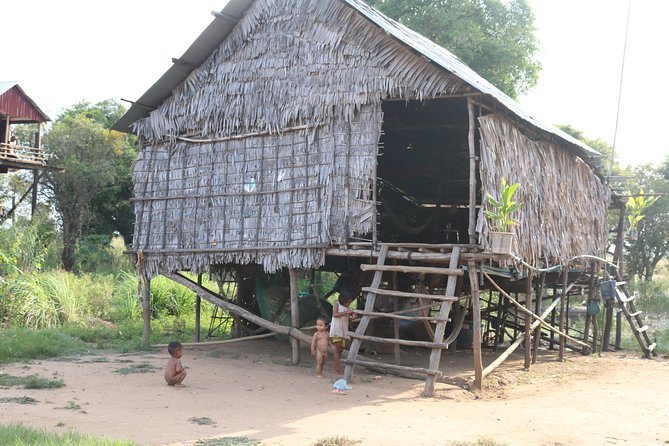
(247, 389)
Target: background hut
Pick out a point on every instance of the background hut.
(300, 134)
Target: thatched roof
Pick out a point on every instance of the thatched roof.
(236, 10)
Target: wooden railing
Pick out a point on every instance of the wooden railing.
(22, 154)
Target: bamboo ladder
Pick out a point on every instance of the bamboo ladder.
(633, 316)
(444, 303)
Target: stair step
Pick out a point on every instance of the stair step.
(413, 269)
(642, 329)
(409, 295)
(636, 313)
(624, 298)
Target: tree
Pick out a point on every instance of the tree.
(96, 161)
(652, 244)
(494, 37)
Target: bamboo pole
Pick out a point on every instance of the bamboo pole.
(539, 318)
(198, 306)
(476, 325)
(472, 170)
(537, 310)
(501, 358)
(563, 302)
(413, 269)
(294, 314)
(223, 341)
(528, 322)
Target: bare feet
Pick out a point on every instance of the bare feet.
(339, 372)
(320, 376)
(338, 392)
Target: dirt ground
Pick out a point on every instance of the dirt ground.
(248, 389)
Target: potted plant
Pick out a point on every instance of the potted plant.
(636, 205)
(500, 218)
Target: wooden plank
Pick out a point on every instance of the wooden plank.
(385, 292)
(364, 322)
(407, 342)
(411, 255)
(413, 269)
(642, 329)
(382, 365)
(440, 329)
(396, 315)
(476, 326)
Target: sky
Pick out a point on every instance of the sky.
(67, 51)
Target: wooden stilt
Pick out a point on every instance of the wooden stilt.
(528, 322)
(198, 307)
(537, 310)
(476, 325)
(294, 314)
(563, 302)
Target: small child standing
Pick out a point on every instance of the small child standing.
(175, 372)
(339, 326)
(319, 344)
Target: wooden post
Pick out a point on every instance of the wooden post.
(527, 345)
(476, 325)
(537, 310)
(294, 314)
(563, 302)
(472, 171)
(198, 306)
(608, 321)
(588, 319)
(619, 324)
(146, 309)
(396, 322)
(37, 143)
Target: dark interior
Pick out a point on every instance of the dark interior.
(423, 172)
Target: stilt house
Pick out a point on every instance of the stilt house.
(17, 108)
(319, 134)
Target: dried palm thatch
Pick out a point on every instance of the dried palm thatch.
(221, 179)
(293, 62)
(564, 202)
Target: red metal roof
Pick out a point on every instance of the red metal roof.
(19, 107)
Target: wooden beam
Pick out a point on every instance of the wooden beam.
(294, 313)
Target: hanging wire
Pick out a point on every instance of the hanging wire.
(620, 88)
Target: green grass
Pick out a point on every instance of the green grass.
(30, 382)
(202, 421)
(144, 367)
(18, 400)
(21, 344)
(336, 441)
(19, 435)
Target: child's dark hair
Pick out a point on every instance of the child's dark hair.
(323, 319)
(173, 346)
(345, 295)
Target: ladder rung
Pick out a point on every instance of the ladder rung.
(624, 299)
(405, 342)
(380, 365)
(651, 347)
(636, 313)
(621, 283)
(413, 269)
(642, 329)
(405, 294)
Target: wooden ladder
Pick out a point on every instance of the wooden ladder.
(633, 316)
(444, 303)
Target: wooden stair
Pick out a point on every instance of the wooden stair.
(633, 316)
(443, 303)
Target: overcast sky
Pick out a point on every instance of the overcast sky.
(62, 52)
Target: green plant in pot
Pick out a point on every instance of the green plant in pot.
(499, 216)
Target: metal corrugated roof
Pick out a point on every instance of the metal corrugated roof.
(228, 18)
(17, 104)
